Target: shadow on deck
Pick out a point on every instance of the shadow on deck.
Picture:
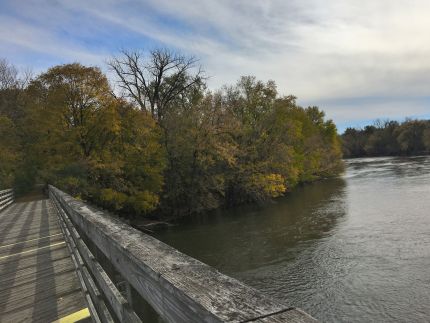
(37, 276)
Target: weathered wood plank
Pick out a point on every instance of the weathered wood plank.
(11, 208)
(27, 226)
(179, 288)
(23, 256)
(14, 209)
(31, 274)
(37, 277)
(29, 244)
(33, 234)
(117, 302)
(26, 294)
(96, 297)
(23, 220)
(48, 310)
(31, 260)
(110, 293)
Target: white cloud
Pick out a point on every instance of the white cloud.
(388, 108)
(29, 37)
(315, 49)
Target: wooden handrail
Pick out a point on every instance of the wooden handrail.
(96, 283)
(6, 198)
(178, 287)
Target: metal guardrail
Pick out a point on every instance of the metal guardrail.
(178, 287)
(6, 198)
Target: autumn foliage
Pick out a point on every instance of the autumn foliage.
(173, 150)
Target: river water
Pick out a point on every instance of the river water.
(350, 249)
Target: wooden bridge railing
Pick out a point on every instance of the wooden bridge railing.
(6, 198)
(178, 287)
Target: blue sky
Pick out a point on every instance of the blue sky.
(358, 60)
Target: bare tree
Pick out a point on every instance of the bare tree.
(26, 76)
(8, 75)
(154, 80)
(11, 78)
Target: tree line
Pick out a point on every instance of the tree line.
(158, 142)
(388, 138)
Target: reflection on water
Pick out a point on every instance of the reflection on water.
(352, 249)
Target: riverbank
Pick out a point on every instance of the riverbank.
(388, 138)
(349, 249)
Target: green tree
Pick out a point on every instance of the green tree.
(409, 137)
(12, 84)
(388, 138)
(10, 154)
(168, 144)
(91, 143)
(426, 137)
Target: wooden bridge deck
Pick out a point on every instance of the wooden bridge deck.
(38, 282)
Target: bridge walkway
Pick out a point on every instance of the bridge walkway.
(38, 282)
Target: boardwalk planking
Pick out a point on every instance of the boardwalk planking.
(38, 282)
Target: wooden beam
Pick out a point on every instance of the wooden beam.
(178, 287)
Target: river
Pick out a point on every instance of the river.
(351, 249)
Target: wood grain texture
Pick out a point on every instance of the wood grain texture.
(178, 287)
(98, 279)
(38, 282)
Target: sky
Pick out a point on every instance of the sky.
(358, 60)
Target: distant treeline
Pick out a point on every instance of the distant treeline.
(158, 142)
(388, 138)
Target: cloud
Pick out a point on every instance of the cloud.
(31, 38)
(323, 52)
(381, 107)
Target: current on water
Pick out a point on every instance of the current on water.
(351, 249)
